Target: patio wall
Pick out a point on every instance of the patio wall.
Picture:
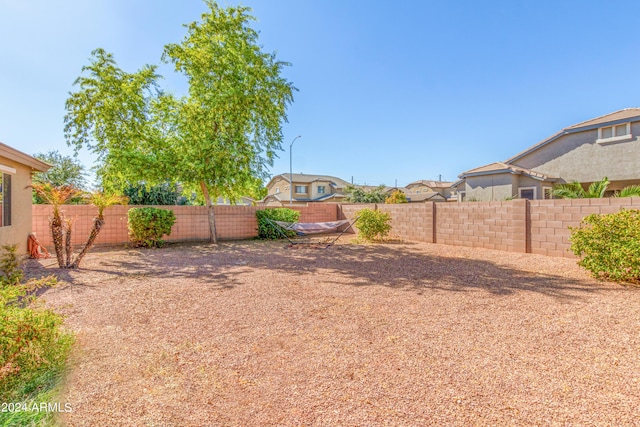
(538, 226)
(232, 222)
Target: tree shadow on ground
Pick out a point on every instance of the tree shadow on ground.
(104, 265)
(403, 267)
(399, 266)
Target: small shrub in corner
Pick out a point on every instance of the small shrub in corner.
(373, 225)
(609, 245)
(268, 231)
(148, 225)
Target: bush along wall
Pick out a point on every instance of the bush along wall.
(609, 245)
(148, 225)
(268, 231)
(373, 224)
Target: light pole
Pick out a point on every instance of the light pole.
(291, 170)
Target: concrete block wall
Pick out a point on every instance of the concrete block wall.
(411, 221)
(81, 216)
(549, 221)
(192, 222)
(537, 226)
(489, 225)
(317, 212)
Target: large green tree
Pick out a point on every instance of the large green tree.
(66, 171)
(357, 194)
(218, 138)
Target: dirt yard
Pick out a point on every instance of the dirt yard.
(253, 334)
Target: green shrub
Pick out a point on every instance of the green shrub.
(10, 271)
(396, 197)
(33, 347)
(268, 231)
(373, 225)
(609, 245)
(148, 225)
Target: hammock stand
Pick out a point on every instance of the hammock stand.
(304, 229)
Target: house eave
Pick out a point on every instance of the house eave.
(23, 158)
(568, 131)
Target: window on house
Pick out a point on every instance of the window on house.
(547, 193)
(301, 189)
(5, 200)
(614, 133)
(527, 193)
(321, 189)
(462, 195)
(277, 190)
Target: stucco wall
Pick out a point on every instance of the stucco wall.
(491, 187)
(578, 157)
(20, 227)
(280, 183)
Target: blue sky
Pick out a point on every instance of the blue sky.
(388, 91)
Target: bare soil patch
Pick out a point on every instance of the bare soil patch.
(252, 333)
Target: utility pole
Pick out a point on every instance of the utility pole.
(291, 170)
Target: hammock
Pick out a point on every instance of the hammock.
(307, 228)
(36, 250)
(304, 228)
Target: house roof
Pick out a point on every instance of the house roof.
(620, 116)
(284, 197)
(627, 113)
(25, 159)
(309, 178)
(421, 197)
(501, 167)
(429, 183)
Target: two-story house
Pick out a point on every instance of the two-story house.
(429, 191)
(304, 189)
(606, 146)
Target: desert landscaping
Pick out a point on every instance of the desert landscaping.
(255, 333)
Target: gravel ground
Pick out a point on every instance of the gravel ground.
(255, 334)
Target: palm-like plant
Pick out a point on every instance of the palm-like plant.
(101, 201)
(574, 190)
(61, 227)
(630, 191)
(57, 196)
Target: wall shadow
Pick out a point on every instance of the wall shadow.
(399, 266)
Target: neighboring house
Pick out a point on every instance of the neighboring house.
(306, 188)
(16, 169)
(607, 146)
(429, 191)
(242, 201)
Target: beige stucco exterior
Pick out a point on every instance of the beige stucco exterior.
(21, 211)
(278, 190)
(573, 154)
(422, 191)
(578, 157)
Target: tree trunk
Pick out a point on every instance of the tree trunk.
(56, 234)
(67, 243)
(213, 237)
(98, 222)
